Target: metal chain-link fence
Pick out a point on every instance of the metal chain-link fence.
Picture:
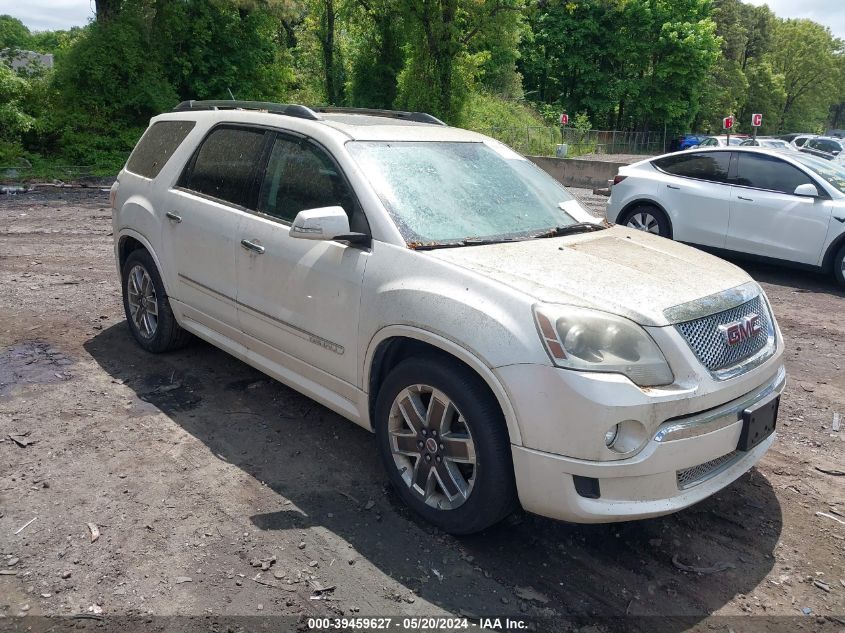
(548, 141)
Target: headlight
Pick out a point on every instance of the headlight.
(588, 340)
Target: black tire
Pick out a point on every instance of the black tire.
(664, 227)
(167, 334)
(839, 265)
(492, 495)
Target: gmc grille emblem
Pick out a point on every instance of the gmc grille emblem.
(739, 331)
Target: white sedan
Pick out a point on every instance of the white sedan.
(784, 207)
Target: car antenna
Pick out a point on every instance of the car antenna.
(231, 96)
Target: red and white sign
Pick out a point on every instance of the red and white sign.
(756, 120)
(728, 122)
(564, 119)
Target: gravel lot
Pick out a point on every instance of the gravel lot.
(216, 491)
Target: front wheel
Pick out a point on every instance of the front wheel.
(443, 440)
(649, 219)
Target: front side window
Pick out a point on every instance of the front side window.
(224, 165)
(301, 176)
(769, 172)
(157, 146)
(711, 166)
(450, 192)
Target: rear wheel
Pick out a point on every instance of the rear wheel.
(147, 307)
(443, 440)
(649, 219)
(839, 266)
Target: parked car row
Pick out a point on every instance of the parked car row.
(780, 206)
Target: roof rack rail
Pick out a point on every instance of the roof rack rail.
(304, 112)
(418, 117)
(287, 109)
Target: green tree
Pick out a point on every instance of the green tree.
(625, 62)
(805, 54)
(377, 55)
(14, 34)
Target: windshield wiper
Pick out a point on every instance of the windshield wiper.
(468, 241)
(578, 227)
(479, 241)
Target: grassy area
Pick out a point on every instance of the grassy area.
(516, 124)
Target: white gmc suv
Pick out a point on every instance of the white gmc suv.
(435, 287)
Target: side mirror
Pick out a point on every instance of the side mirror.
(325, 224)
(807, 190)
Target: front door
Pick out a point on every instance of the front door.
(767, 219)
(301, 298)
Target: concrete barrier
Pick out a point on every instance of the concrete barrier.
(574, 172)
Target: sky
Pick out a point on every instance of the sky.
(49, 15)
(42, 15)
(831, 13)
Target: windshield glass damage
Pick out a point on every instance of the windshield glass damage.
(462, 193)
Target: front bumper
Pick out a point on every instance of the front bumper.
(686, 459)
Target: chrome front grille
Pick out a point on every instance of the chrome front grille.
(689, 477)
(710, 345)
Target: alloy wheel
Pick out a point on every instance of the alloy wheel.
(141, 296)
(644, 221)
(432, 447)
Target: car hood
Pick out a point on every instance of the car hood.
(648, 279)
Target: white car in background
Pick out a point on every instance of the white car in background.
(768, 142)
(720, 141)
(785, 207)
(799, 141)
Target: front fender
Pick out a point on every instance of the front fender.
(454, 349)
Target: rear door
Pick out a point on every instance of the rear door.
(695, 193)
(767, 219)
(203, 214)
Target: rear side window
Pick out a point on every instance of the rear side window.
(769, 172)
(224, 165)
(157, 146)
(711, 166)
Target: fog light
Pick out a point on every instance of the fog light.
(610, 436)
(626, 438)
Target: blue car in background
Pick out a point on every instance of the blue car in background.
(686, 141)
(690, 140)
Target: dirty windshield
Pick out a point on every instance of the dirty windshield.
(451, 192)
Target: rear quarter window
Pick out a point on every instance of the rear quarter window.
(157, 146)
(711, 166)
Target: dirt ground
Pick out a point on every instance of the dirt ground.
(218, 492)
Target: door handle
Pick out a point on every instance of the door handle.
(746, 199)
(252, 246)
(673, 187)
(173, 216)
